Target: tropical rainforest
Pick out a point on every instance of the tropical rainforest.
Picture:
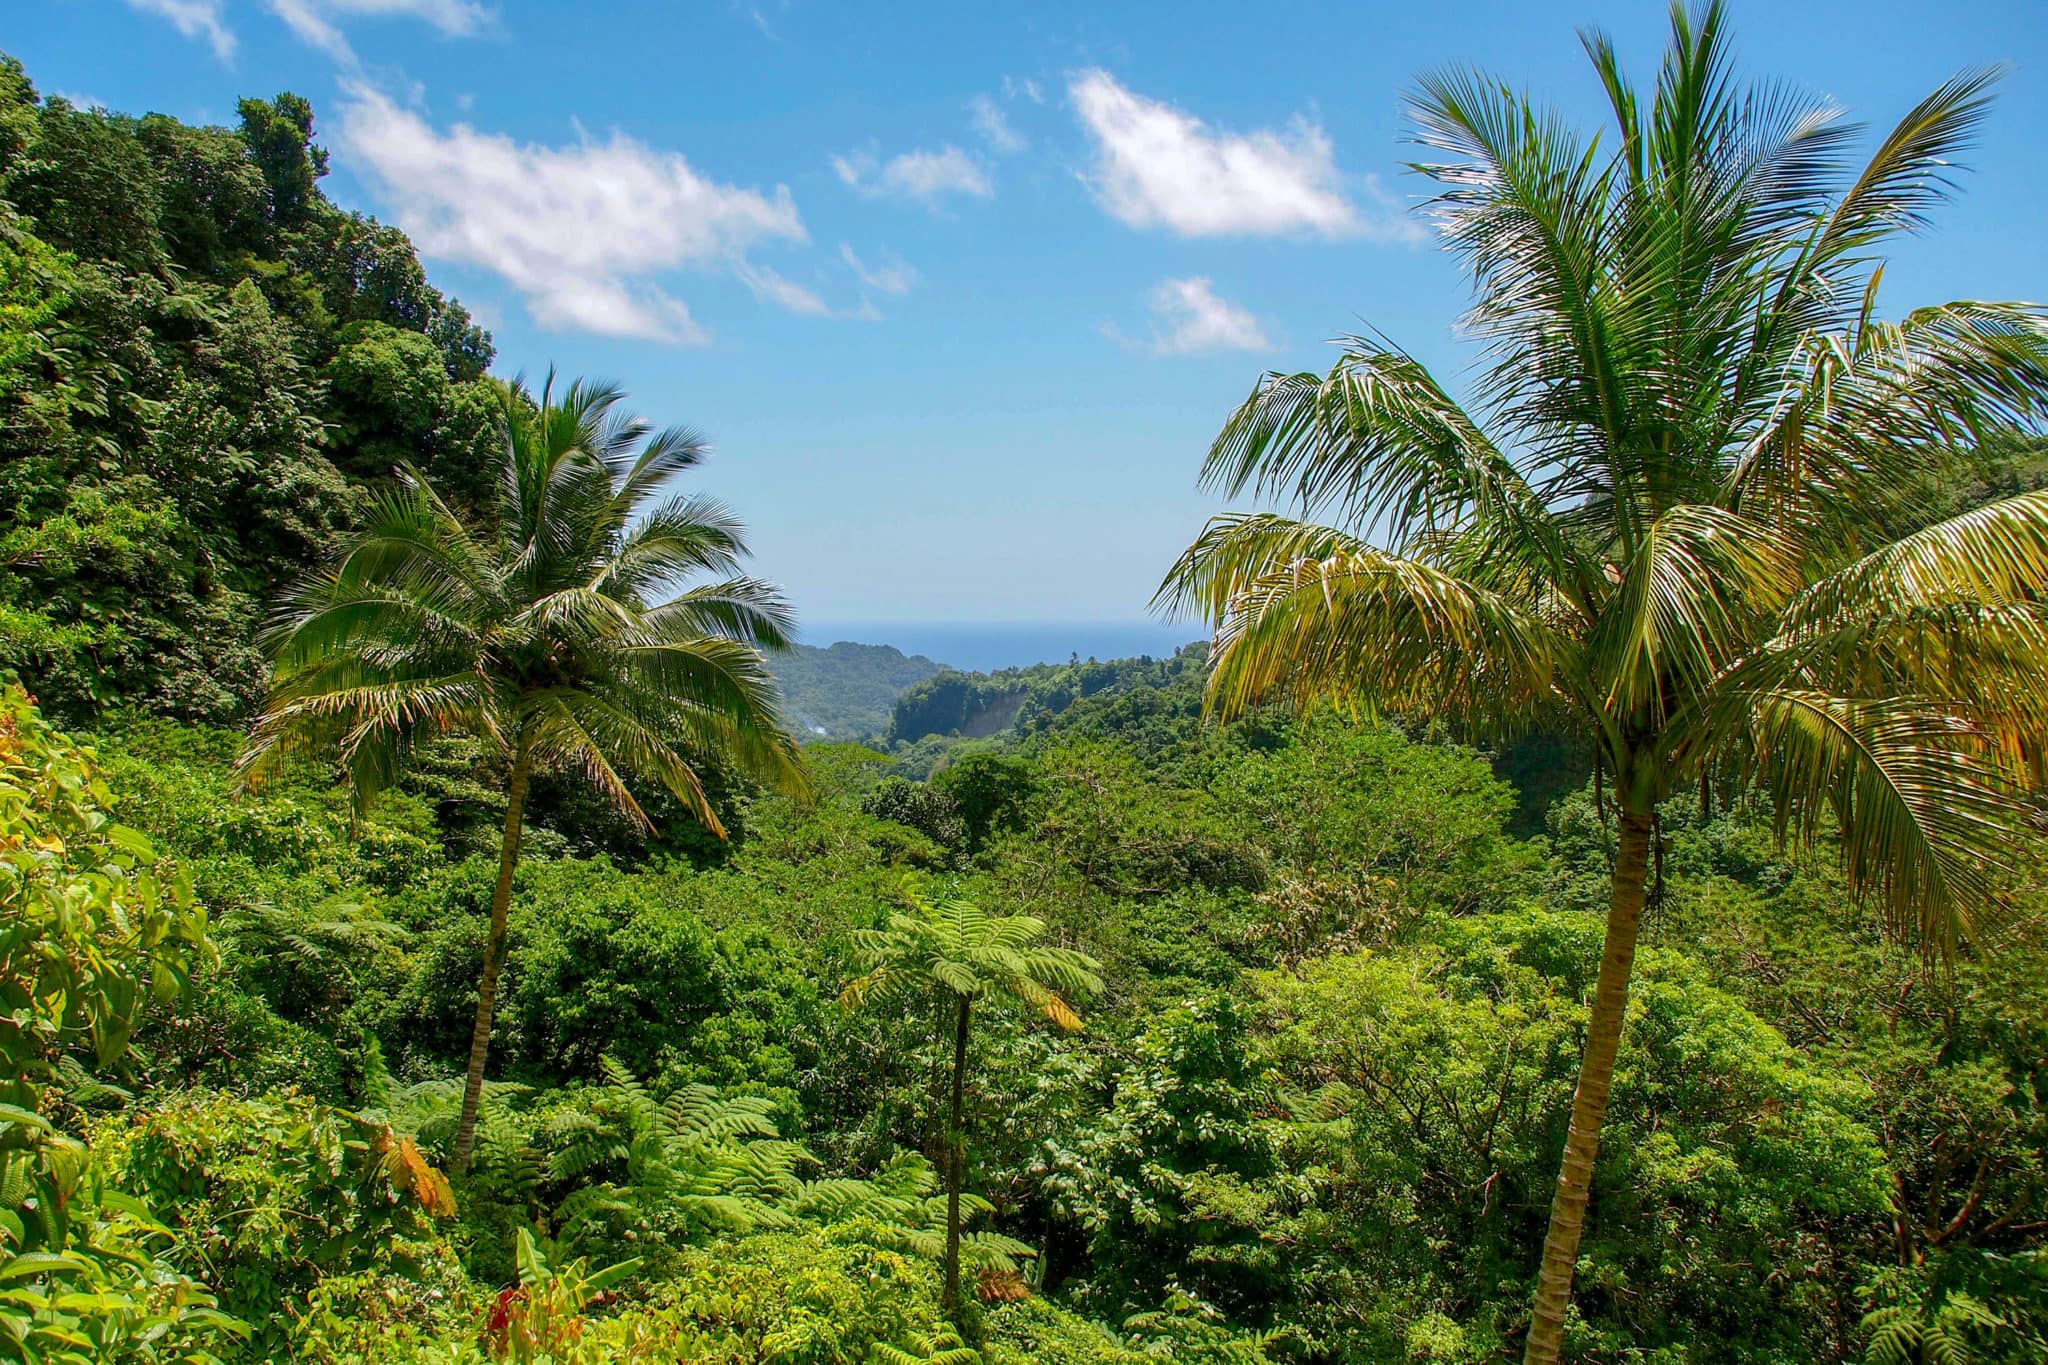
(1583, 898)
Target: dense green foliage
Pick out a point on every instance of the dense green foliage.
(1319, 1100)
(204, 366)
(1315, 1110)
(92, 927)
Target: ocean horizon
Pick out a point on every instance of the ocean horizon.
(982, 646)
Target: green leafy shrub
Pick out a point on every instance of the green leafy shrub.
(93, 927)
(1735, 1181)
(272, 1196)
(1179, 1184)
(1036, 1332)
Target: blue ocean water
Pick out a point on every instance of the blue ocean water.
(986, 645)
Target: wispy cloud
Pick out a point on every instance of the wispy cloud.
(581, 231)
(923, 175)
(758, 14)
(1014, 86)
(1190, 318)
(318, 22)
(770, 287)
(994, 126)
(888, 277)
(303, 18)
(1158, 166)
(194, 19)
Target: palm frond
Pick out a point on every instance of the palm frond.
(1924, 822)
(1912, 170)
(748, 610)
(686, 535)
(1995, 555)
(1688, 602)
(1313, 613)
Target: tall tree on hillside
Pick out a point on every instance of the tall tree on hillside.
(562, 631)
(952, 951)
(1660, 515)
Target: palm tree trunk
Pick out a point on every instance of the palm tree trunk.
(494, 959)
(956, 1160)
(1589, 1103)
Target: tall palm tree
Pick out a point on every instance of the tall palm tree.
(1661, 516)
(563, 630)
(951, 951)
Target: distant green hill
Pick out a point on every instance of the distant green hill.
(1117, 694)
(847, 691)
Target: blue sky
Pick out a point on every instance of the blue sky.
(962, 291)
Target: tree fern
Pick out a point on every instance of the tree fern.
(953, 952)
(696, 1162)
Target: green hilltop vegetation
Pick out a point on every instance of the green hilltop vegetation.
(922, 713)
(846, 691)
(1023, 701)
(424, 942)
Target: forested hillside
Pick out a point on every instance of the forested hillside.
(422, 941)
(1024, 700)
(205, 370)
(846, 691)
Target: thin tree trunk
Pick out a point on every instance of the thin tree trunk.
(1589, 1103)
(956, 1160)
(494, 959)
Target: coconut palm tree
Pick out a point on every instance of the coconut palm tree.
(1661, 515)
(951, 951)
(569, 630)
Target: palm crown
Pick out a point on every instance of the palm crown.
(1666, 516)
(543, 629)
(1658, 514)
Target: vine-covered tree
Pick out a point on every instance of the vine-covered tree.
(1662, 514)
(555, 632)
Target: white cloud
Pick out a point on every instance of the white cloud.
(580, 230)
(194, 19)
(993, 126)
(1189, 318)
(315, 21)
(1157, 166)
(920, 174)
(888, 277)
(1028, 88)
